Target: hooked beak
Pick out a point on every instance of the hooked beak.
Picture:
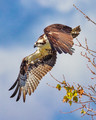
(35, 45)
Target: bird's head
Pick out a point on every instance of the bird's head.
(42, 42)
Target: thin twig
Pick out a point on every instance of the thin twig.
(80, 45)
(89, 19)
(90, 110)
(89, 96)
(72, 110)
(89, 59)
(55, 78)
(91, 70)
(85, 102)
(50, 85)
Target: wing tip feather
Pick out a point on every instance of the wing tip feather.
(13, 85)
(24, 96)
(15, 92)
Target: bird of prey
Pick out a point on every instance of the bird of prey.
(56, 38)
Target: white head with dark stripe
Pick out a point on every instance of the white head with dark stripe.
(42, 42)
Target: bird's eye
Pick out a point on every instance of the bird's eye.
(42, 43)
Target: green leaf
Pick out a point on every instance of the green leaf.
(58, 86)
(75, 92)
(70, 102)
(64, 82)
(67, 88)
(83, 112)
(65, 99)
(69, 95)
(75, 99)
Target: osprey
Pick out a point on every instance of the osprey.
(56, 38)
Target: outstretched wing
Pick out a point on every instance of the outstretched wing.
(30, 75)
(60, 38)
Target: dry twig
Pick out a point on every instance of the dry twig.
(89, 19)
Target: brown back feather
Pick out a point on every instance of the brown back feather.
(60, 38)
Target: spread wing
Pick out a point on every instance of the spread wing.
(60, 38)
(30, 75)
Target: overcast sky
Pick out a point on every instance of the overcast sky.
(21, 23)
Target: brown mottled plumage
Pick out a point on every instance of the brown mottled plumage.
(56, 38)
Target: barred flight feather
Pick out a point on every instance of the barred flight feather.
(28, 82)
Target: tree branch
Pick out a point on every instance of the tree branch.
(89, 19)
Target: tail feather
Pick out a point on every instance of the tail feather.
(19, 94)
(15, 92)
(76, 31)
(13, 85)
